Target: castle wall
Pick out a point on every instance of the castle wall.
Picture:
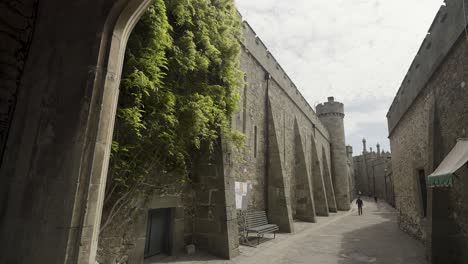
(360, 175)
(250, 119)
(59, 132)
(371, 174)
(270, 101)
(422, 132)
(446, 28)
(285, 160)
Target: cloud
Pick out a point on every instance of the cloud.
(356, 50)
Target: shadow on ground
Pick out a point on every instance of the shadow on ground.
(382, 243)
(199, 256)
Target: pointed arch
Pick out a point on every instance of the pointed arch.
(328, 183)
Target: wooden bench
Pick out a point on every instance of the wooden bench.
(257, 222)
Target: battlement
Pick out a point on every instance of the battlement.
(256, 48)
(445, 30)
(330, 108)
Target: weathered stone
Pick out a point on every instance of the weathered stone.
(305, 208)
(427, 116)
(331, 114)
(319, 190)
(373, 174)
(331, 201)
(58, 145)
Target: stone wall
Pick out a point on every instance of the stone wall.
(58, 140)
(285, 161)
(202, 213)
(250, 164)
(389, 184)
(409, 144)
(444, 31)
(424, 128)
(16, 29)
(123, 240)
(361, 176)
(58, 144)
(272, 113)
(351, 173)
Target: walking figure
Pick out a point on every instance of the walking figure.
(359, 205)
(375, 198)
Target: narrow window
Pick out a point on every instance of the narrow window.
(244, 106)
(255, 141)
(422, 184)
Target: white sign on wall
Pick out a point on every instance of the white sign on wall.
(241, 190)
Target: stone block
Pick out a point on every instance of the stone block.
(179, 212)
(203, 226)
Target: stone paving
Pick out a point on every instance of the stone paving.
(343, 238)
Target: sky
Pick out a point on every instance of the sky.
(355, 50)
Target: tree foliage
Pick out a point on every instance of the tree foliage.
(179, 88)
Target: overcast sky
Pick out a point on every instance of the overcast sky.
(355, 50)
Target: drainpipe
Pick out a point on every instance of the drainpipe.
(267, 140)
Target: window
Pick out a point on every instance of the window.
(244, 106)
(255, 141)
(422, 186)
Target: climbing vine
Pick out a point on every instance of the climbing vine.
(179, 89)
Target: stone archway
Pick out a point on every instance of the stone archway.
(55, 160)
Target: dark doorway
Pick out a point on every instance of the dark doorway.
(157, 232)
(422, 185)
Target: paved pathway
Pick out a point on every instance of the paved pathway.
(344, 238)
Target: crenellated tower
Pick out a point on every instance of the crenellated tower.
(331, 114)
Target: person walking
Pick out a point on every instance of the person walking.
(359, 203)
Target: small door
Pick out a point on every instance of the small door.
(157, 232)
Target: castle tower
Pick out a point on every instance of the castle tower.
(349, 152)
(364, 148)
(378, 149)
(331, 114)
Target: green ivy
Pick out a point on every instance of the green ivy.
(179, 89)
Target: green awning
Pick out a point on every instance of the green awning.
(444, 174)
(440, 180)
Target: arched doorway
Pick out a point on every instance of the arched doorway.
(55, 159)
